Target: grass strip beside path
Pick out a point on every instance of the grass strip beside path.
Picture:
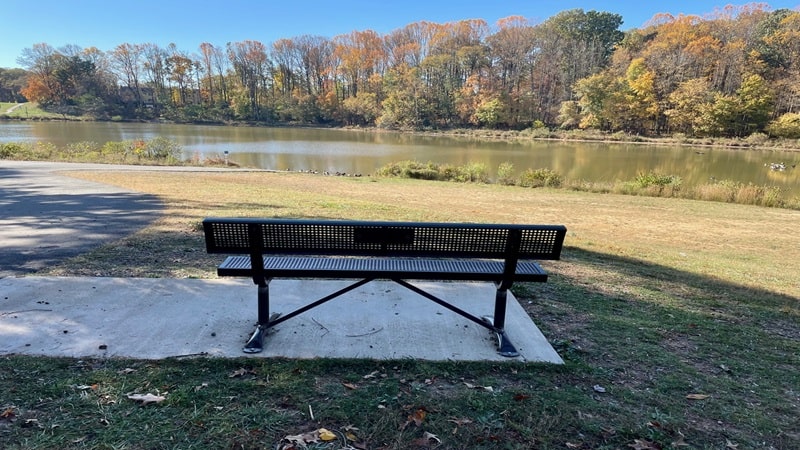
(678, 321)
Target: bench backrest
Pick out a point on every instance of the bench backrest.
(363, 238)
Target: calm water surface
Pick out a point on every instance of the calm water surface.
(363, 152)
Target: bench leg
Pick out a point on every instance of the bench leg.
(500, 302)
(256, 342)
(265, 321)
(504, 345)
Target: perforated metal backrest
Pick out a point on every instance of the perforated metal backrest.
(320, 237)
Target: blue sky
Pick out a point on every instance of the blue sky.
(107, 23)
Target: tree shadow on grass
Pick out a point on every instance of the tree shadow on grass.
(623, 278)
(651, 335)
(42, 224)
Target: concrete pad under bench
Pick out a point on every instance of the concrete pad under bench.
(153, 318)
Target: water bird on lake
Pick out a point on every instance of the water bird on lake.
(777, 166)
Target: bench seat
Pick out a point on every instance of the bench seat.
(381, 268)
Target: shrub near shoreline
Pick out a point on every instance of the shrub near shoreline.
(154, 151)
(651, 184)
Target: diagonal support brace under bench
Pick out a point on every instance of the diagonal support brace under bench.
(505, 347)
(256, 342)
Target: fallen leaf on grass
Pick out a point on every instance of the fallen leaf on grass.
(417, 417)
(146, 398)
(241, 372)
(426, 439)
(350, 386)
(106, 399)
(607, 432)
(480, 388)
(697, 396)
(8, 414)
(681, 441)
(460, 422)
(326, 435)
(351, 437)
(640, 444)
(302, 440)
(349, 432)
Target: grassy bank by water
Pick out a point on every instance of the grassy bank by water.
(155, 151)
(650, 184)
(678, 320)
(29, 111)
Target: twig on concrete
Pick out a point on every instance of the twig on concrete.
(366, 334)
(321, 326)
(188, 355)
(25, 310)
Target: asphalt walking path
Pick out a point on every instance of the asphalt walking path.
(46, 217)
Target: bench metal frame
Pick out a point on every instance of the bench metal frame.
(396, 251)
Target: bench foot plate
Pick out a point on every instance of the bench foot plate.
(504, 345)
(256, 342)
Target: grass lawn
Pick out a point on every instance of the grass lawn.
(27, 111)
(679, 322)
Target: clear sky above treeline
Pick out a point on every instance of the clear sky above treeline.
(188, 23)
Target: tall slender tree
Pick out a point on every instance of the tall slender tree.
(126, 63)
(251, 64)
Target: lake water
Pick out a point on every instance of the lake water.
(351, 151)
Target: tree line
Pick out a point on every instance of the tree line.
(733, 72)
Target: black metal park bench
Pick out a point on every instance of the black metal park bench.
(263, 249)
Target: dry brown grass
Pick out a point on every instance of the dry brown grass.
(748, 245)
